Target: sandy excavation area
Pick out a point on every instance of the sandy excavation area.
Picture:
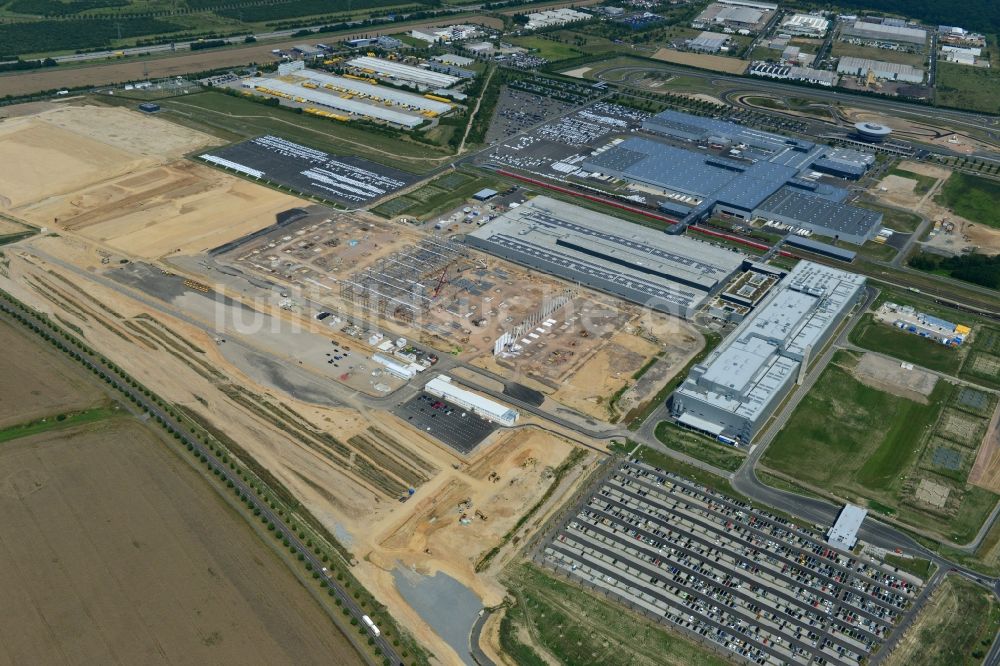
(287, 437)
(121, 178)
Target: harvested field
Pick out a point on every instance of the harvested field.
(703, 61)
(45, 384)
(106, 507)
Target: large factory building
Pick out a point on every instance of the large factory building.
(734, 391)
(739, 171)
(672, 274)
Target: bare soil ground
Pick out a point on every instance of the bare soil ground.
(888, 375)
(37, 385)
(986, 470)
(142, 562)
(712, 62)
(119, 177)
(68, 148)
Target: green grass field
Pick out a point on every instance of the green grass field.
(439, 196)
(847, 436)
(867, 445)
(57, 422)
(897, 220)
(698, 446)
(974, 198)
(583, 628)
(886, 339)
(547, 48)
(964, 87)
(918, 567)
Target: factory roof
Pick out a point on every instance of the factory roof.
(820, 248)
(788, 202)
(741, 184)
(887, 32)
(708, 41)
(397, 70)
(853, 65)
(378, 92)
(337, 102)
(684, 125)
(756, 361)
(844, 533)
(677, 269)
(739, 14)
(443, 385)
(452, 59)
(811, 21)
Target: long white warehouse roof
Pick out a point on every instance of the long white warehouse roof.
(398, 70)
(484, 406)
(378, 92)
(339, 103)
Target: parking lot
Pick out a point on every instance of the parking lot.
(343, 179)
(750, 582)
(558, 148)
(460, 429)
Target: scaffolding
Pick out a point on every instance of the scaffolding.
(403, 284)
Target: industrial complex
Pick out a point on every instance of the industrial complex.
(668, 273)
(734, 391)
(742, 172)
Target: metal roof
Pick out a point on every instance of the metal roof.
(398, 70)
(754, 364)
(579, 243)
(337, 102)
(374, 91)
(687, 126)
(741, 184)
(844, 533)
(809, 209)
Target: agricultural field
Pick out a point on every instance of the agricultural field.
(956, 626)
(46, 384)
(714, 63)
(553, 617)
(964, 87)
(103, 502)
(870, 438)
(974, 198)
(85, 24)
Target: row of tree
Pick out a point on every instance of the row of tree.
(980, 269)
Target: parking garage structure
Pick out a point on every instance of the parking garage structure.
(670, 274)
(733, 392)
(729, 574)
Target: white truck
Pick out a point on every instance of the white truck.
(371, 625)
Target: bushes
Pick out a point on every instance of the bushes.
(978, 269)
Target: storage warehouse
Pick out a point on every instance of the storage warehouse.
(397, 71)
(336, 102)
(886, 33)
(819, 215)
(886, 71)
(672, 274)
(732, 393)
(341, 84)
(805, 25)
(442, 387)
